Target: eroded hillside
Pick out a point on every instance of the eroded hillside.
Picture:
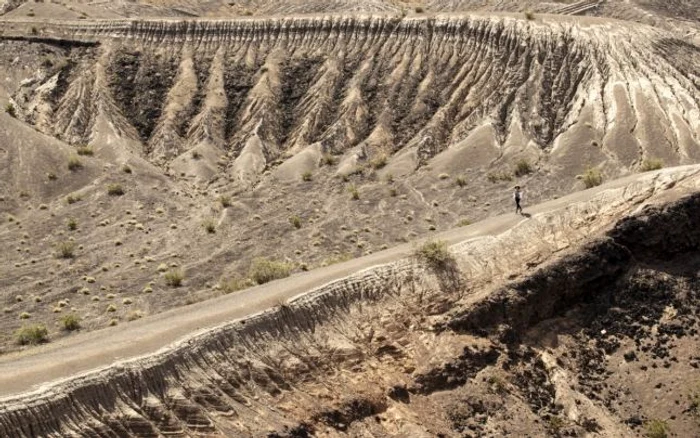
(581, 321)
(160, 147)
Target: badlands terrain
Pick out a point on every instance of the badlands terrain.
(160, 158)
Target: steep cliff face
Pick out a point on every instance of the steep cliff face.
(524, 332)
(480, 92)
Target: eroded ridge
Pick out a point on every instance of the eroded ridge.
(261, 91)
(531, 340)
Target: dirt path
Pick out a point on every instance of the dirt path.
(28, 370)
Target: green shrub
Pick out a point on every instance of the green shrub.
(592, 177)
(307, 176)
(295, 221)
(74, 163)
(656, 429)
(70, 322)
(115, 190)
(651, 164)
(72, 224)
(464, 223)
(522, 167)
(32, 335)
(65, 250)
(174, 278)
(10, 109)
(263, 270)
(85, 150)
(435, 254)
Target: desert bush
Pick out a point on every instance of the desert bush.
(499, 176)
(379, 161)
(295, 221)
(225, 201)
(25, 315)
(435, 254)
(354, 193)
(592, 177)
(393, 192)
(307, 176)
(328, 159)
(72, 199)
(444, 176)
(74, 163)
(85, 150)
(419, 9)
(522, 167)
(263, 270)
(70, 322)
(72, 224)
(35, 31)
(174, 278)
(656, 429)
(51, 176)
(651, 164)
(115, 190)
(235, 284)
(126, 169)
(461, 181)
(529, 15)
(196, 155)
(65, 250)
(209, 225)
(10, 109)
(32, 335)
(464, 223)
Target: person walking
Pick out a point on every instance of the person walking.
(518, 196)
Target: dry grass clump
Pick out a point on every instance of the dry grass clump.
(225, 201)
(263, 270)
(651, 164)
(74, 163)
(209, 225)
(115, 190)
(65, 250)
(379, 161)
(174, 278)
(85, 150)
(10, 109)
(32, 335)
(435, 254)
(592, 177)
(295, 221)
(235, 284)
(529, 15)
(522, 167)
(72, 224)
(499, 176)
(354, 193)
(656, 429)
(70, 322)
(307, 176)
